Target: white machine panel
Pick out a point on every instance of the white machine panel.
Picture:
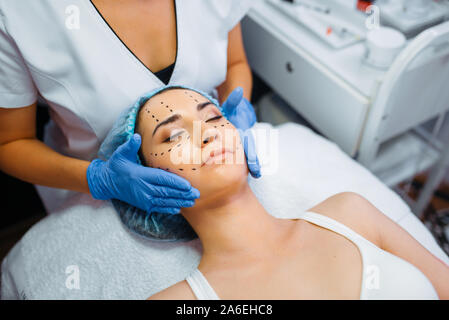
(284, 67)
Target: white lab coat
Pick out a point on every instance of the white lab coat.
(65, 52)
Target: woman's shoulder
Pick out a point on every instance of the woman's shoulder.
(178, 291)
(353, 211)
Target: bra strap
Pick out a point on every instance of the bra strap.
(200, 286)
(335, 226)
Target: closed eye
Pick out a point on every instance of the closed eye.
(214, 118)
(173, 137)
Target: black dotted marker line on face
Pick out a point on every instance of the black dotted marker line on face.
(181, 169)
(162, 153)
(169, 150)
(193, 169)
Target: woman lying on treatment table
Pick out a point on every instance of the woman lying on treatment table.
(343, 248)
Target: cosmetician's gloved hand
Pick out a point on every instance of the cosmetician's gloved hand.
(150, 189)
(239, 110)
(242, 115)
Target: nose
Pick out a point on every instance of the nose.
(210, 136)
(209, 139)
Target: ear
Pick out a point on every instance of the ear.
(141, 157)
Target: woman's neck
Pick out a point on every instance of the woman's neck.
(237, 226)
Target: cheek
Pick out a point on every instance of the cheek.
(231, 137)
(223, 124)
(184, 158)
(175, 157)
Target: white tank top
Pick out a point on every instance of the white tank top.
(385, 276)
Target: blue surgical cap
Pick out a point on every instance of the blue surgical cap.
(155, 226)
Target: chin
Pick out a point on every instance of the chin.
(218, 183)
(220, 177)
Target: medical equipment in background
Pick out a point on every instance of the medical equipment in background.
(329, 24)
(412, 16)
(445, 5)
(274, 110)
(435, 179)
(412, 92)
(341, 96)
(310, 4)
(311, 75)
(382, 46)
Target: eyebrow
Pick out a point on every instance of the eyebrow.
(203, 105)
(176, 117)
(171, 119)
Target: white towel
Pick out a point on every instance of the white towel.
(114, 263)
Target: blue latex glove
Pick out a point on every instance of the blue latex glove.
(241, 114)
(239, 110)
(152, 190)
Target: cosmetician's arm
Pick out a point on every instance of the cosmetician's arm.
(120, 177)
(239, 72)
(23, 156)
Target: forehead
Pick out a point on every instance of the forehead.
(166, 104)
(174, 98)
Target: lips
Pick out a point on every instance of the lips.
(214, 154)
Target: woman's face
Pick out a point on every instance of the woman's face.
(184, 133)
